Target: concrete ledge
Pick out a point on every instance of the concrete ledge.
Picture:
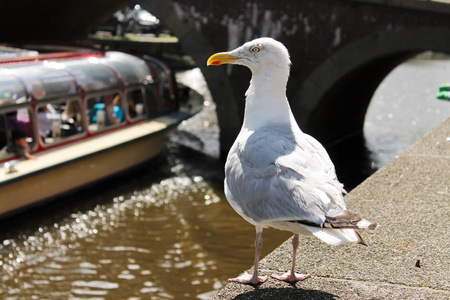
(410, 198)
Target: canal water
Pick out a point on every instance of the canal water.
(166, 231)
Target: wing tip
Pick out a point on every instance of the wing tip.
(373, 226)
(349, 220)
(365, 224)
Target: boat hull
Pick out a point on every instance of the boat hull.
(58, 172)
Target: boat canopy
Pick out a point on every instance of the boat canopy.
(47, 79)
(140, 66)
(12, 91)
(93, 76)
(44, 82)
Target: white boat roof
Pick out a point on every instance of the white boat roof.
(90, 74)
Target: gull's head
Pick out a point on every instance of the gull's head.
(263, 54)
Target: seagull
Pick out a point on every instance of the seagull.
(276, 175)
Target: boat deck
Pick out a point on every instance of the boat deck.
(67, 168)
(95, 144)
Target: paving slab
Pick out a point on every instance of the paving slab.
(408, 256)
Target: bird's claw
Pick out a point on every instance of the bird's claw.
(291, 277)
(248, 279)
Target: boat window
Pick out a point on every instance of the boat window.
(59, 120)
(152, 100)
(104, 111)
(164, 87)
(11, 91)
(44, 83)
(93, 77)
(135, 104)
(15, 125)
(127, 74)
(139, 66)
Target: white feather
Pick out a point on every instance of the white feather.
(335, 237)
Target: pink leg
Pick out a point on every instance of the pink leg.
(292, 276)
(253, 279)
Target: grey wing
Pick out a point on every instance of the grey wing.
(273, 178)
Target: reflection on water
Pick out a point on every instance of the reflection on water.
(402, 110)
(165, 231)
(404, 107)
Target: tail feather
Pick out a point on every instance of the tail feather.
(348, 220)
(340, 229)
(336, 237)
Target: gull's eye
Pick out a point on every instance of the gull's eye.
(255, 49)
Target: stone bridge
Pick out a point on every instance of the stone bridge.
(341, 49)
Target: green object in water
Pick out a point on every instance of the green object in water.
(444, 87)
(443, 95)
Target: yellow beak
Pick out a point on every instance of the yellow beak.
(221, 58)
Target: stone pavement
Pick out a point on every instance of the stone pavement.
(409, 254)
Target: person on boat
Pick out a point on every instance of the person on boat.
(20, 121)
(113, 111)
(71, 119)
(73, 112)
(131, 108)
(19, 144)
(47, 116)
(37, 90)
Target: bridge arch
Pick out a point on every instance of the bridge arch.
(337, 94)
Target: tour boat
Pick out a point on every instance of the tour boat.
(85, 116)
